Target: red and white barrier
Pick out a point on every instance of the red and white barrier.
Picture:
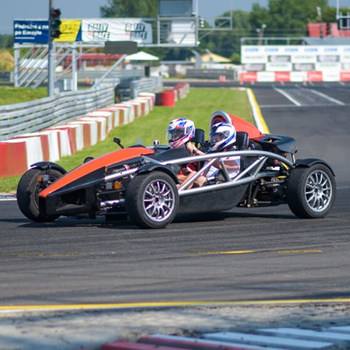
(51, 144)
(295, 76)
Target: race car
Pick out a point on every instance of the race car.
(141, 184)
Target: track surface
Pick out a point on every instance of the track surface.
(244, 254)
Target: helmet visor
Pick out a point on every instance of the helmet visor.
(175, 134)
(216, 137)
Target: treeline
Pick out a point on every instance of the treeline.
(6, 41)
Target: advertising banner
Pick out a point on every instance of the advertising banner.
(119, 29)
(70, 31)
(26, 31)
(86, 30)
(296, 58)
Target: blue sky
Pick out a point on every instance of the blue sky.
(38, 9)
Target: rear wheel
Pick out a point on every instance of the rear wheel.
(311, 191)
(152, 200)
(28, 189)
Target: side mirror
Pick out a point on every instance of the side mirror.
(155, 144)
(117, 141)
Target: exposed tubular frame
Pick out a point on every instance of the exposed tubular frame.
(248, 175)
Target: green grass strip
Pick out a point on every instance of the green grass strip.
(11, 95)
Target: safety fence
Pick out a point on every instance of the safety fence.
(55, 142)
(21, 118)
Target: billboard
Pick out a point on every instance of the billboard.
(31, 31)
(85, 30)
(294, 57)
(118, 29)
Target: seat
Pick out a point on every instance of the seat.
(198, 138)
(242, 140)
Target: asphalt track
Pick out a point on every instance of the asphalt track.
(239, 256)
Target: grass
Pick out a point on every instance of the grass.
(11, 95)
(198, 106)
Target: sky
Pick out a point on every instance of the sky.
(38, 9)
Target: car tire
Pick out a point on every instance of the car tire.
(152, 200)
(28, 190)
(311, 191)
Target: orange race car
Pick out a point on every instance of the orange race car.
(141, 183)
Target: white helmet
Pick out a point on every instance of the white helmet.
(179, 132)
(221, 136)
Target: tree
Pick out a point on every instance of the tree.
(129, 8)
(227, 43)
(6, 41)
(287, 17)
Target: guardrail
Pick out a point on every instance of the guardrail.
(67, 135)
(28, 117)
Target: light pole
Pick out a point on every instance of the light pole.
(261, 33)
(51, 56)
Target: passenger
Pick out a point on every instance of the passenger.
(222, 137)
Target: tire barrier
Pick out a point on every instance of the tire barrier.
(51, 144)
(169, 97)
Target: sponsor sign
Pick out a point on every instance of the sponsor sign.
(303, 66)
(279, 67)
(266, 76)
(332, 75)
(328, 58)
(248, 76)
(86, 30)
(282, 76)
(70, 31)
(26, 31)
(254, 67)
(314, 76)
(345, 76)
(298, 76)
(119, 29)
(279, 58)
(255, 58)
(296, 54)
(303, 58)
(328, 66)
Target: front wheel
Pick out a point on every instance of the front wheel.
(152, 200)
(28, 189)
(311, 191)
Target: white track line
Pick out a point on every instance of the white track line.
(290, 98)
(331, 99)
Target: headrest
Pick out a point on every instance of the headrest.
(219, 116)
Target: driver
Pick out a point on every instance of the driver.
(180, 131)
(222, 138)
(179, 134)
